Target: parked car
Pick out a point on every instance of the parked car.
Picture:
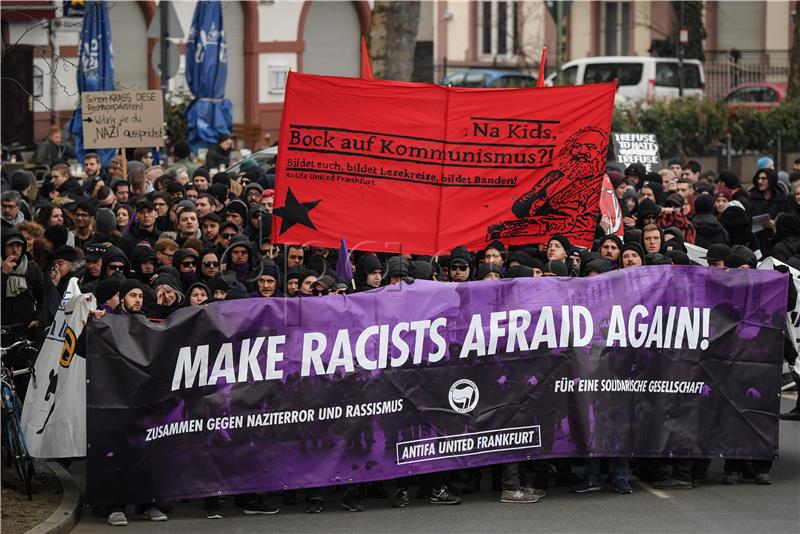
(265, 159)
(489, 78)
(756, 95)
(638, 78)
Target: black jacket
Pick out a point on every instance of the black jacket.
(709, 231)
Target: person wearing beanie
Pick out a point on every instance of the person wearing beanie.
(201, 179)
(631, 255)
(494, 253)
(708, 229)
(107, 293)
(489, 271)
(324, 285)
(369, 273)
(236, 212)
(460, 265)
(252, 194)
(268, 280)
(519, 257)
(635, 173)
(735, 261)
(765, 162)
(599, 266)
(131, 296)
(610, 247)
(306, 280)
(198, 294)
(538, 267)
(558, 248)
(555, 268)
(716, 254)
(519, 271)
(292, 280)
(678, 257)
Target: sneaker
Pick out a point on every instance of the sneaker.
(622, 486)
(443, 496)
(586, 486)
(731, 478)
(518, 496)
(540, 493)
(763, 479)
(350, 503)
(400, 499)
(792, 415)
(154, 514)
(673, 484)
(260, 507)
(117, 519)
(214, 513)
(314, 506)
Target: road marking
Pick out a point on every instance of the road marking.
(651, 490)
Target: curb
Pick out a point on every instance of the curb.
(66, 515)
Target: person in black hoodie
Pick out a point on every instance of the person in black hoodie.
(186, 260)
(647, 213)
(369, 273)
(709, 231)
(766, 198)
(241, 258)
(739, 226)
(787, 237)
(268, 280)
(143, 262)
(169, 296)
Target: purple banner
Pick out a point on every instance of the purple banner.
(267, 394)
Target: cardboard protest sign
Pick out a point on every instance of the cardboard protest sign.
(114, 119)
(423, 168)
(637, 148)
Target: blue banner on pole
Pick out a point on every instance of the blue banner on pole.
(95, 68)
(210, 115)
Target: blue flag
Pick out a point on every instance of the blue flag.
(95, 69)
(343, 266)
(209, 115)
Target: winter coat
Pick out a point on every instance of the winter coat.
(709, 231)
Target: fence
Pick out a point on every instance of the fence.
(726, 69)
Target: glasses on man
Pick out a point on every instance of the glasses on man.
(188, 264)
(264, 251)
(227, 235)
(210, 264)
(458, 267)
(116, 267)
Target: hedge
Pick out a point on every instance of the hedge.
(697, 127)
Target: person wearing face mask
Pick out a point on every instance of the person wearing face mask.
(186, 260)
(241, 258)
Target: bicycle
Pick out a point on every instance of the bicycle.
(14, 446)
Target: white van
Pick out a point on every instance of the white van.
(638, 78)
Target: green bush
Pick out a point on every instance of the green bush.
(697, 127)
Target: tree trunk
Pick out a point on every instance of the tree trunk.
(794, 57)
(393, 38)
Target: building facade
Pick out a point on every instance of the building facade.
(268, 38)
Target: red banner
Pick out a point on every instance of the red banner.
(421, 168)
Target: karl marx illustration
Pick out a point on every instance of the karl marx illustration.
(558, 202)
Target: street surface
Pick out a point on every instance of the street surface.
(710, 508)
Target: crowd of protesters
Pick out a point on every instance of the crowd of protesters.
(165, 237)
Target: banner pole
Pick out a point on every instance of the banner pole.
(124, 164)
